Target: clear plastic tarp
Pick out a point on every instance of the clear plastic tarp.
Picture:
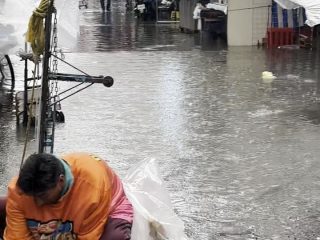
(154, 218)
(312, 8)
(14, 19)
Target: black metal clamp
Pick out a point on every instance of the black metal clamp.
(106, 81)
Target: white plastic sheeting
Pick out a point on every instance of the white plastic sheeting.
(219, 7)
(14, 19)
(312, 8)
(154, 218)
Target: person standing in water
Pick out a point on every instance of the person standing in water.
(105, 7)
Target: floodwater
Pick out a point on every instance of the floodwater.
(239, 154)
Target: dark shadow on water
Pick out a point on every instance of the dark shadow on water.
(312, 114)
(211, 41)
(6, 99)
(106, 18)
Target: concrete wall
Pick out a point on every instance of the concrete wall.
(247, 21)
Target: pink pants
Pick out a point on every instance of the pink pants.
(116, 228)
(2, 214)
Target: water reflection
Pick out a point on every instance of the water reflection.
(120, 30)
(301, 90)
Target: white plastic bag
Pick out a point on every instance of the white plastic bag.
(14, 19)
(196, 15)
(154, 218)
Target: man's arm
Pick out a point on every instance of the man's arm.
(16, 228)
(93, 225)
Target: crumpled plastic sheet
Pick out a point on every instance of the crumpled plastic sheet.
(14, 19)
(154, 218)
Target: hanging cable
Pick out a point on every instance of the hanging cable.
(30, 109)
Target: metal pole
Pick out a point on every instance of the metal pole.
(25, 95)
(45, 81)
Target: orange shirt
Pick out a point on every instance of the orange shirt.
(80, 214)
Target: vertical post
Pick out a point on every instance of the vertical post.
(45, 81)
(311, 38)
(53, 123)
(25, 95)
(157, 13)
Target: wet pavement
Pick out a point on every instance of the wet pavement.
(239, 154)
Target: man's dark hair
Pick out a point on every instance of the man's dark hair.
(39, 173)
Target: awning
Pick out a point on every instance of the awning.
(312, 8)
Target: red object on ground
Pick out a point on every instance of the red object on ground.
(279, 36)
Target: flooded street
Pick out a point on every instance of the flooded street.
(239, 154)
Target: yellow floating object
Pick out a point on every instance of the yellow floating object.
(268, 75)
